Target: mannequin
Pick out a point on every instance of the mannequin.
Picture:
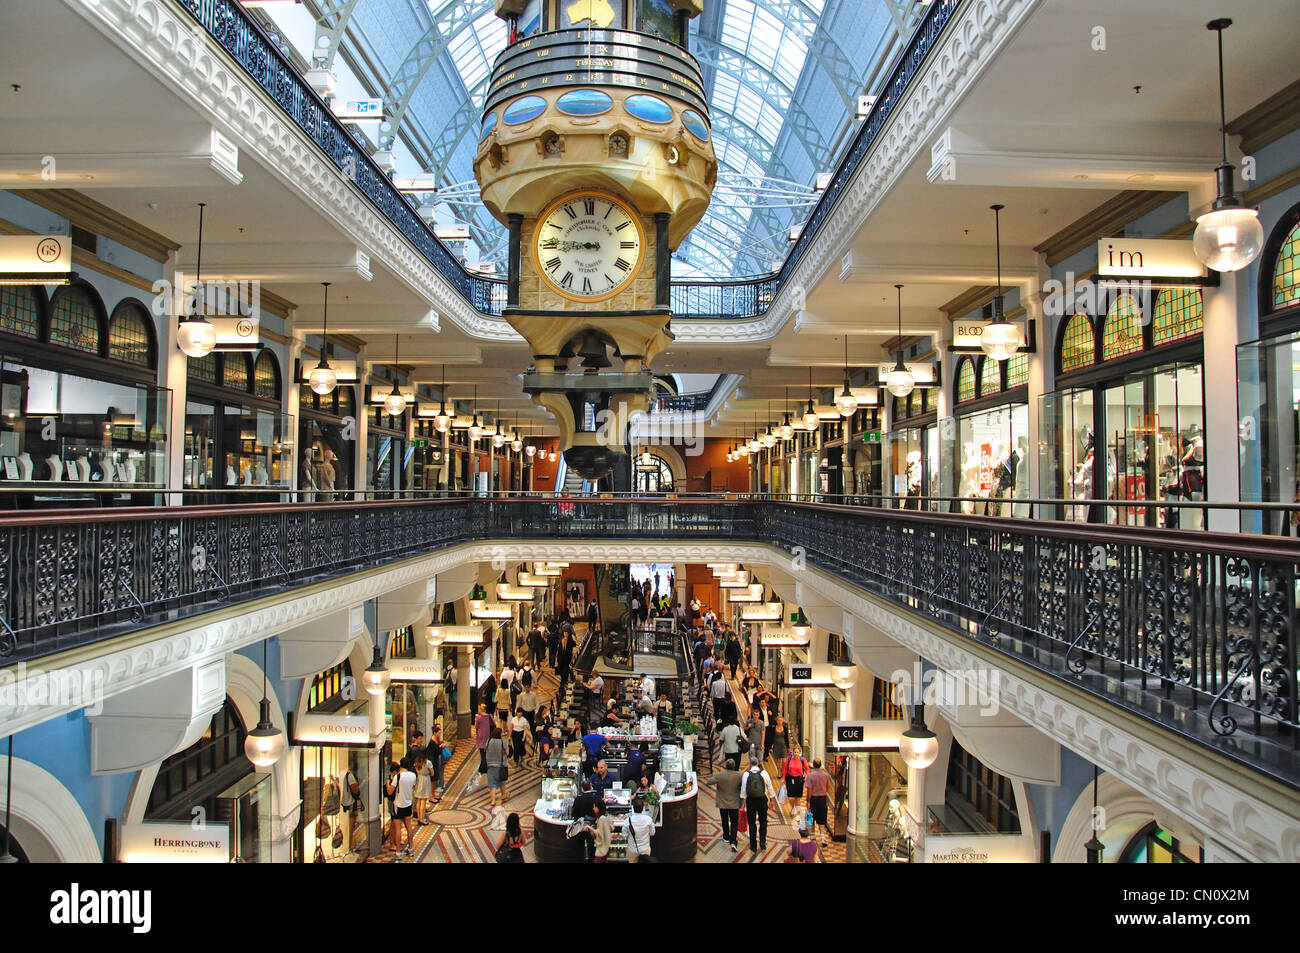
(56, 467)
(260, 476)
(126, 471)
(24, 466)
(246, 472)
(106, 468)
(327, 473)
(231, 478)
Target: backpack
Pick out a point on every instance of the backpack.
(754, 786)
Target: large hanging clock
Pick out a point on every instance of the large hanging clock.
(588, 246)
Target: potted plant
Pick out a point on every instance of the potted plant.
(688, 730)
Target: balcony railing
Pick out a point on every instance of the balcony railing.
(1194, 630)
(228, 23)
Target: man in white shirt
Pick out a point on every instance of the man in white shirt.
(402, 788)
(720, 692)
(640, 828)
(647, 686)
(755, 803)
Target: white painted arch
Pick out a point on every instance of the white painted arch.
(46, 819)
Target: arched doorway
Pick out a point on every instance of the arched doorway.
(651, 473)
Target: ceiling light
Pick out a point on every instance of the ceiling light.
(900, 381)
(195, 335)
(999, 339)
(442, 420)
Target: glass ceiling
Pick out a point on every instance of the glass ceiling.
(782, 77)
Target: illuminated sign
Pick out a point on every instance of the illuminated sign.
(181, 843)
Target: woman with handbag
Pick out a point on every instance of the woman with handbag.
(511, 849)
(423, 786)
(498, 756)
(437, 760)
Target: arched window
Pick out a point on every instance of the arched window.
(234, 371)
(1286, 271)
(20, 310)
(1122, 332)
(655, 476)
(130, 336)
(1017, 370)
(1179, 314)
(965, 380)
(990, 377)
(1078, 343)
(266, 376)
(203, 368)
(74, 320)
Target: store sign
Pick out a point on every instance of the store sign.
(379, 393)
(1149, 258)
(358, 108)
(346, 370)
(778, 637)
(36, 254)
(237, 333)
(977, 849)
(966, 334)
(875, 734)
(458, 634)
(922, 371)
(334, 729)
(873, 436)
(809, 674)
(159, 843)
(414, 670)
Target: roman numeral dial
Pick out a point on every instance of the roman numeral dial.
(588, 246)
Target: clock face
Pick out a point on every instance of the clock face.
(588, 246)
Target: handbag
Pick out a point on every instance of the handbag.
(743, 745)
(742, 821)
(319, 856)
(337, 840)
(330, 799)
(322, 828)
(353, 787)
(446, 753)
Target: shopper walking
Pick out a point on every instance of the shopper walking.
(732, 652)
(818, 787)
(497, 757)
(505, 692)
(754, 730)
(793, 774)
(601, 835)
(423, 786)
(527, 702)
(728, 800)
(780, 744)
(437, 759)
(757, 787)
(720, 693)
(731, 738)
(803, 850)
(640, 830)
(518, 733)
(482, 734)
(402, 788)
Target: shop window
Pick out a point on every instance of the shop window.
(20, 311)
(1179, 314)
(201, 770)
(203, 368)
(990, 377)
(327, 689)
(1122, 332)
(74, 320)
(1078, 343)
(266, 377)
(966, 380)
(1286, 271)
(234, 372)
(129, 337)
(1018, 370)
(979, 796)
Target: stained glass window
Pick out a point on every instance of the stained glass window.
(1179, 314)
(1017, 370)
(203, 368)
(1078, 343)
(266, 376)
(990, 377)
(128, 334)
(234, 372)
(19, 311)
(1286, 271)
(1122, 333)
(73, 322)
(966, 380)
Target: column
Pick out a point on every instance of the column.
(515, 223)
(173, 369)
(947, 422)
(1034, 470)
(464, 686)
(360, 467)
(292, 394)
(1221, 337)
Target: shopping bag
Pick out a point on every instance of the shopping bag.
(781, 796)
(742, 823)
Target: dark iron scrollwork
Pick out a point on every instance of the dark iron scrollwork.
(1245, 650)
(1078, 665)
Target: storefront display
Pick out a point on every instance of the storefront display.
(327, 441)
(993, 449)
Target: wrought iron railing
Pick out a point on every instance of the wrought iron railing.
(248, 45)
(1195, 630)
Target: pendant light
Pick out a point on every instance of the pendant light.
(7, 857)
(1229, 236)
(531, 451)
(786, 430)
(810, 419)
(844, 672)
(376, 678)
(900, 381)
(265, 744)
(919, 746)
(395, 403)
(323, 379)
(846, 403)
(499, 437)
(516, 442)
(475, 428)
(553, 456)
(195, 335)
(1094, 847)
(768, 438)
(999, 340)
(442, 420)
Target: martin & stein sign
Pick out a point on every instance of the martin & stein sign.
(175, 843)
(977, 849)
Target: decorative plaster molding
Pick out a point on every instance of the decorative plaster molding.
(41, 801)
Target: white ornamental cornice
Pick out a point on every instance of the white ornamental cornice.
(1121, 744)
(968, 45)
(177, 51)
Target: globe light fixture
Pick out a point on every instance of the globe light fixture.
(515, 443)
(768, 439)
(195, 335)
(265, 744)
(530, 450)
(553, 456)
(844, 673)
(1229, 236)
(433, 635)
(811, 422)
(846, 403)
(442, 420)
(900, 381)
(918, 745)
(999, 340)
(786, 430)
(395, 402)
(498, 438)
(376, 678)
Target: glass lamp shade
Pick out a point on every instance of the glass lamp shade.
(1226, 239)
(810, 419)
(530, 450)
(768, 439)
(918, 746)
(753, 445)
(552, 456)
(196, 337)
(516, 444)
(498, 439)
(1000, 340)
(322, 379)
(442, 422)
(265, 744)
(786, 430)
(475, 430)
(433, 636)
(395, 403)
(900, 381)
(376, 678)
(846, 403)
(844, 675)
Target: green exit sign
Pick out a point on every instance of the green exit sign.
(871, 436)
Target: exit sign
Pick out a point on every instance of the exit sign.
(872, 436)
